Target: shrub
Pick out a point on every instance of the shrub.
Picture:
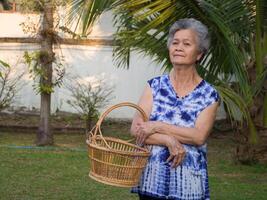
(88, 96)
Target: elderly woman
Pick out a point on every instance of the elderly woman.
(181, 107)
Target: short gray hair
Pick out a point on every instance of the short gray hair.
(191, 23)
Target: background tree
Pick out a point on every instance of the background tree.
(41, 62)
(44, 134)
(43, 65)
(238, 32)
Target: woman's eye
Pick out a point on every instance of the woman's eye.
(187, 44)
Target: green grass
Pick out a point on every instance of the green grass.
(230, 180)
(61, 172)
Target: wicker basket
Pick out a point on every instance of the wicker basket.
(114, 161)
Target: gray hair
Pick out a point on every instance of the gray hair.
(197, 26)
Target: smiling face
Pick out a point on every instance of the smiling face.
(183, 49)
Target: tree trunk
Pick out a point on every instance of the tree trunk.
(246, 152)
(88, 124)
(265, 94)
(46, 57)
(44, 134)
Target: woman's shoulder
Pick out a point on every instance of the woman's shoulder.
(158, 79)
(210, 91)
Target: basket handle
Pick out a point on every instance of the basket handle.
(102, 117)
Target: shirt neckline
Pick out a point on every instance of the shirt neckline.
(192, 91)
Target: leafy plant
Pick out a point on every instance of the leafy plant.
(37, 72)
(9, 85)
(89, 96)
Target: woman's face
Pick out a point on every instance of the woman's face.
(183, 49)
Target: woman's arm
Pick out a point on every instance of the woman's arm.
(195, 136)
(176, 149)
(145, 103)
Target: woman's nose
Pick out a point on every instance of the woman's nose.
(179, 47)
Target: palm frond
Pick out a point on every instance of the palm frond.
(143, 27)
(237, 109)
(84, 13)
(138, 19)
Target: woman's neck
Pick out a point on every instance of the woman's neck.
(185, 75)
(184, 80)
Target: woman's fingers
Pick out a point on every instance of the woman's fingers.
(179, 158)
(182, 153)
(177, 153)
(175, 157)
(175, 161)
(173, 153)
(147, 127)
(170, 158)
(140, 136)
(142, 132)
(139, 139)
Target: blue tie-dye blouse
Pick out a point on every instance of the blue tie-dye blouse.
(188, 181)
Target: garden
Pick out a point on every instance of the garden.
(43, 154)
(61, 171)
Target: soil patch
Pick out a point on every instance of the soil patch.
(60, 123)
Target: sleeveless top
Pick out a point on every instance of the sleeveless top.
(188, 181)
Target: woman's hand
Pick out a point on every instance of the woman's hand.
(144, 130)
(177, 151)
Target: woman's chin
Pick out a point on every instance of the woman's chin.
(186, 64)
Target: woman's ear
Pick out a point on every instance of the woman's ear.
(199, 56)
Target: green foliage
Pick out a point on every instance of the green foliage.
(9, 85)
(5, 5)
(34, 61)
(239, 40)
(143, 27)
(88, 97)
(85, 13)
(28, 6)
(3, 65)
(261, 47)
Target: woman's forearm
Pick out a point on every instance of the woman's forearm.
(182, 134)
(196, 135)
(157, 139)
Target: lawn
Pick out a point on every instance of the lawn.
(61, 172)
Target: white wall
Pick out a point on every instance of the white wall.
(79, 60)
(86, 61)
(10, 24)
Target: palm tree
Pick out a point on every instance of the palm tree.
(234, 63)
(84, 13)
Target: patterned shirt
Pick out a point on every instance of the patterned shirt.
(188, 181)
